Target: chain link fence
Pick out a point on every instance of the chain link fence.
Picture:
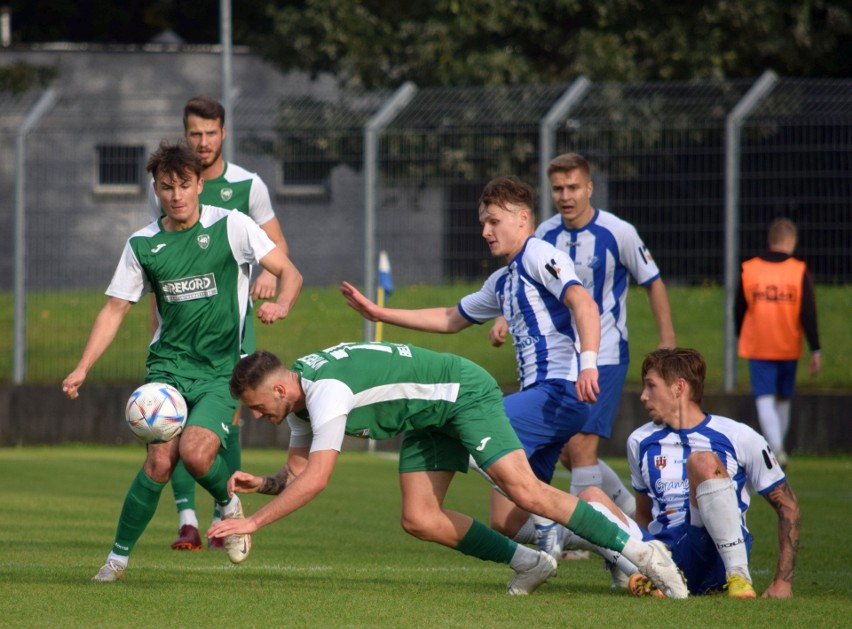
(658, 153)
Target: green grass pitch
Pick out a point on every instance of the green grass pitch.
(343, 561)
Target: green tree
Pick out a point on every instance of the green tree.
(373, 43)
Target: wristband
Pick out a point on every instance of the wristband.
(588, 360)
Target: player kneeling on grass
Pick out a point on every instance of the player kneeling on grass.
(449, 409)
(692, 472)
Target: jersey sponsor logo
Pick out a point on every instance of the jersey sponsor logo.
(361, 434)
(526, 341)
(771, 293)
(482, 444)
(158, 247)
(662, 487)
(189, 288)
(553, 268)
(226, 194)
(226, 428)
(645, 254)
(203, 240)
(660, 461)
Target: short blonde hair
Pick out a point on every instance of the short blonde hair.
(780, 230)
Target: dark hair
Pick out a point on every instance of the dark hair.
(204, 107)
(251, 370)
(174, 159)
(678, 362)
(505, 191)
(567, 162)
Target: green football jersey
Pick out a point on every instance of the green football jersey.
(200, 277)
(383, 388)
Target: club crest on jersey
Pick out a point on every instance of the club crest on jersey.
(660, 461)
(203, 240)
(226, 194)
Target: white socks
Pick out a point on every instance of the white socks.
(527, 533)
(782, 408)
(613, 487)
(187, 516)
(586, 476)
(770, 422)
(524, 558)
(121, 560)
(717, 501)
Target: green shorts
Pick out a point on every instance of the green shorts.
(478, 427)
(209, 402)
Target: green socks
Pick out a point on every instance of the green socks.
(594, 527)
(183, 487)
(231, 454)
(183, 484)
(215, 481)
(485, 543)
(139, 507)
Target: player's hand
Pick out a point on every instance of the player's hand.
(72, 383)
(270, 312)
(779, 589)
(223, 528)
(587, 386)
(244, 483)
(359, 303)
(498, 331)
(815, 364)
(264, 286)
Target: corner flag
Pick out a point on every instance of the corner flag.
(385, 287)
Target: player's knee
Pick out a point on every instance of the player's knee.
(416, 525)
(158, 469)
(704, 465)
(593, 494)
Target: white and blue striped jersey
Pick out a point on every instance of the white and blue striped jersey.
(528, 292)
(657, 457)
(604, 251)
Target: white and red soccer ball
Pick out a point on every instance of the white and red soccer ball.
(156, 412)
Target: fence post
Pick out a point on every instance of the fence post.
(226, 57)
(733, 125)
(374, 127)
(19, 362)
(547, 141)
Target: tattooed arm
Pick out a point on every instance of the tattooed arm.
(783, 500)
(275, 484)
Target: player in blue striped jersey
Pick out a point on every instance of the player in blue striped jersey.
(693, 473)
(606, 251)
(549, 314)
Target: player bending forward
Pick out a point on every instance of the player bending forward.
(449, 409)
(692, 472)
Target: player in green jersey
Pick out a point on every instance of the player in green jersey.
(449, 409)
(196, 261)
(231, 187)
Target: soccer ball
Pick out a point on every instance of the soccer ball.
(156, 412)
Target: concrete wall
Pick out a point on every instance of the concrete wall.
(40, 414)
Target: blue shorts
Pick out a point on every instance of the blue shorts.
(772, 377)
(602, 413)
(544, 417)
(695, 554)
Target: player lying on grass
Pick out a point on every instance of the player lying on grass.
(692, 472)
(449, 409)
